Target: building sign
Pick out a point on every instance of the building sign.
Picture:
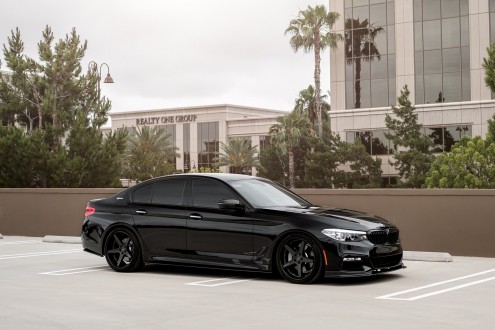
(165, 120)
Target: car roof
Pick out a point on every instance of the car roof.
(225, 177)
(219, 176)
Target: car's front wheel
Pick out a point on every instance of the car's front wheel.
(122, 251)
(299, 259)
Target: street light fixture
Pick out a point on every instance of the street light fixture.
(108, 79)
(93, 67)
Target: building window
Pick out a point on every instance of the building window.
(186, 152)
(369, 53)
(444, 137)
(374, 141)
(441, 45)
(171, 136)
(208, 144)
(264, 142)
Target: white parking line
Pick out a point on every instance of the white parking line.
(392, 296)
(75, 271)
(38, 254)
(19, 242)
(218, 282)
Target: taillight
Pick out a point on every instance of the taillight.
(89, 210)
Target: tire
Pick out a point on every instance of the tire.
(299, 259)
(123, 251)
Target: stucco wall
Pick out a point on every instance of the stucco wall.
(457, 221)
(40, 212)
(461, 222)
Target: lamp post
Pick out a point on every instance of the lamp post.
(108, 79)
(93, 66)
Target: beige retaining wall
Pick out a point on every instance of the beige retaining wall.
(40, 212)
(460, 222)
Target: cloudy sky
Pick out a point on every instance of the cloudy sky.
(179, 53)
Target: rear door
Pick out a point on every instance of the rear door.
(214, 235)
(159, 216)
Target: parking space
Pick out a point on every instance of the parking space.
(57, 286)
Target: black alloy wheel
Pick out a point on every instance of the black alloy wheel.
(122, 251)
(299, 259)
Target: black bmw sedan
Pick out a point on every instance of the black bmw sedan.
(236, 222)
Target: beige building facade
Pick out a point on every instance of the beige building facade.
(435, 47)
(198, 131)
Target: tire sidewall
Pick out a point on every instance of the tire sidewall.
(136, 261)
(316, 272)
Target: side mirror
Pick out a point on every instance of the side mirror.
(230, 204)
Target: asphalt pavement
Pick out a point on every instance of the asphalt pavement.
(58, 286)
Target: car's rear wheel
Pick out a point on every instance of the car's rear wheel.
(299, 259)
(122, 251)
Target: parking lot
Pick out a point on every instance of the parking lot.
(58, 286)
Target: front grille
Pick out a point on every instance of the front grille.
(384, 236)
(388, 261)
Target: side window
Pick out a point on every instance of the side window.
(168, 192)
(207, 193)
(142, 195)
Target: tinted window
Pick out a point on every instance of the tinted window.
(168, 192)
(263, 194)
(143, 194)
(207, 193)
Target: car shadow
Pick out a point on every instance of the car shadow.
(208, 273)
(365, 280)
(205, 272)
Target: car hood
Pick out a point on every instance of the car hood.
(335, 216)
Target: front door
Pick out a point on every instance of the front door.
(217, 236)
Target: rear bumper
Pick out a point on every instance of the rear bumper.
(91, 246)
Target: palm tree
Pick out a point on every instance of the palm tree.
(360, 46)
(311, 30)
(149, 154)
(239, 155)
(286, 134)
(306, 105)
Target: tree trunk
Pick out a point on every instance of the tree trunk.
(312, 116)
(291, 169)
(40, 117)
(316, 35)
(357, 84)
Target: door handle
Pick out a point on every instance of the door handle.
(195, 216)
(141, 212)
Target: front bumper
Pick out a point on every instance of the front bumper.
(365, 272)
(354, 259)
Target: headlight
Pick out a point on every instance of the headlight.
(344, 235)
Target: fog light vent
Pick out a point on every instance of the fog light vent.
(353, 259)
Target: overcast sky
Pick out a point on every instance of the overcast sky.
(180, 53)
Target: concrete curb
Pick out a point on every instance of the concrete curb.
(408, 255)
(427, 256)
(62, 239)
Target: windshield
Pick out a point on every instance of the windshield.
(261, 194)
